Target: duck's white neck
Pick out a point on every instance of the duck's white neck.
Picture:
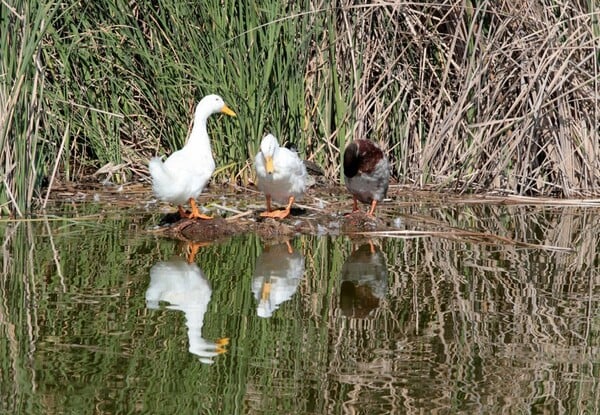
(199, 135)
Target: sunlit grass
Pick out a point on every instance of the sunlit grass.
(23, 160)
(456, 99)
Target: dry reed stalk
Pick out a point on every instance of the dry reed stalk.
(471, 97)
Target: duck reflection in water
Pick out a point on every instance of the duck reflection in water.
(364, 281)
(278, 272)
(182, 284)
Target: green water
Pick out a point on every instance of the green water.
(97, 315)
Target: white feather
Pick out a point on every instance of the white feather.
(289, 176)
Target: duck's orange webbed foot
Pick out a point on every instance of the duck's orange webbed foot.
(221, 343)
(354, 207)
(372, 210)
(276, 214)
(195, 212)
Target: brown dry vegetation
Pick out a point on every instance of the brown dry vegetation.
(471, 95)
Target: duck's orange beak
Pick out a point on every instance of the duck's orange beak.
(228, 111)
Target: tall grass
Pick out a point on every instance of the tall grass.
(462, 95)
(22, 27)
(482, 95)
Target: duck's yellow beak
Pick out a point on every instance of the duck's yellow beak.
(228, 111)
(266, 291)
(269, 164)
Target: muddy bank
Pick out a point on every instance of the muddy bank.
(323, 211)
(236, 210)
(299, 222)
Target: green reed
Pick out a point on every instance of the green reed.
(453, 96)
(22, 81)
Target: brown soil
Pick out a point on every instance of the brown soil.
(324, 210)
(200, 230)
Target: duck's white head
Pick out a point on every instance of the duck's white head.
(212, 104)
(268, 146)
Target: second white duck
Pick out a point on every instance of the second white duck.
(281, 176)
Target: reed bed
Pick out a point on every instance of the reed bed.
(468, 96)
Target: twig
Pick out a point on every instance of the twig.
(55, 168)
(463, 234)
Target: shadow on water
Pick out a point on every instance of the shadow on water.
(97, 315)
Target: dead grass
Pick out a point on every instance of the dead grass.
(486, 96)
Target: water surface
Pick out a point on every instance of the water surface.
(97, 315)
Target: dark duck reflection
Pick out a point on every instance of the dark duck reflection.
(182, 284)
(364, 281)
(278, 272)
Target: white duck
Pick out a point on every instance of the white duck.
(366, 173)
(184, 174)
(183, 285)
(281, 176)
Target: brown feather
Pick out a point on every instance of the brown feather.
(361, 156)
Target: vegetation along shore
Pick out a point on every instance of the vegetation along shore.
(462, 95)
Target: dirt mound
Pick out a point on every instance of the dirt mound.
(201, 230)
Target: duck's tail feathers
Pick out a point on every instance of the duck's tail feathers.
(157, 171)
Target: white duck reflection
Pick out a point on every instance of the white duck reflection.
(182, 284)
(276, 277)
(364, 281)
